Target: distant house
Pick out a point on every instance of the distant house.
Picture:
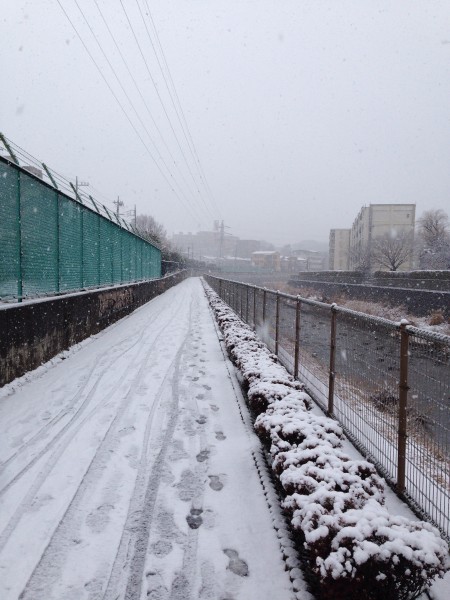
(310, 260)
(268, 260)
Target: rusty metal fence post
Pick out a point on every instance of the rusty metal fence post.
(246, 303)
(403, 403)
(331, 376)
(277, 322)
(297, 336)
(254, 307)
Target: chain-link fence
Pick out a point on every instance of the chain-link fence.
(52, 243)
(387, 383)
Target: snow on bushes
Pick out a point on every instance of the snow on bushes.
(355, 547)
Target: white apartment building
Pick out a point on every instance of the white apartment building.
(339, 249)
(377, 220)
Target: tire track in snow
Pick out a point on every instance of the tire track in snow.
(38, 582)
(75, 428)
(128, 569)
(81, 408)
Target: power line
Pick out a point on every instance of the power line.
(142, 97)
(121, 107)
(157, 91)
(198, 163)
(176, 107)
(126, 94)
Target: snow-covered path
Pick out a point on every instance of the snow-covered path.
(127, 470)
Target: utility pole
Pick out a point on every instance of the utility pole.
(222, 235)
(118, 204)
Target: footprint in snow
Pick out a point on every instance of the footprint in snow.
(215, 483)
(189, 486)
(220, 436)
(194, 519)
(214, 407)
(127, 430)
(202, 455)
(201, 420)
(236, 564)
(156, 590)
(180, 588)
(207, 387)
(161, 548)
(99, 519)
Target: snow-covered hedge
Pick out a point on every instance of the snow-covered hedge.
(356, 548)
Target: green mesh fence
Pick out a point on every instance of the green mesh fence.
(50, 243)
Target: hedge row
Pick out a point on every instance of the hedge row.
(336, 504)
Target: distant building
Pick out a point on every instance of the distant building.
(377, 220)
(312, 260)
(339, 249)
(269, 260)
(245, 248)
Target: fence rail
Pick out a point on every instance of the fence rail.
(387, 383)
(53, 243)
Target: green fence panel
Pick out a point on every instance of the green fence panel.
(10, 268)
(139, 247)
(39, 225)
(116, 242)
(147, 265)
(91, 255)
(133, 246)
(51, 243)
(70, 244)
(106, 252)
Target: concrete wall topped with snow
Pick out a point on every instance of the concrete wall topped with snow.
(33, 332)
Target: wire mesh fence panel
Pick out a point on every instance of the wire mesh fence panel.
(362, 361)
(259, 318)
(106, 252)
(10, 266)
(70, 245)
(139, 249)
(52, 243)
(117, 254)
(125, 260)
(91, 246)
(286, 334)
(366, 398)
(269, 319)
(428, 443)
(39, 244)
(314, 349)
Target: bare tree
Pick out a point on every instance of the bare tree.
(360, 259)
(150, 229)
(392, 250)
(434, 240)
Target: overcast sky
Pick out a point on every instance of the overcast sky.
(300, 111)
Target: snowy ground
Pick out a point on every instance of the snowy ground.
(127, 471)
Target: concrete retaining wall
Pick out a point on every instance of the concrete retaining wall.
(33, 332)
(416, 302)
(419, 280)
